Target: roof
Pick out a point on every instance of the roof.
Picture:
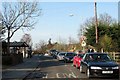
(96, 53)
(16, 44)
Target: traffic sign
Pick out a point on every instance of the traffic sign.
(83, 43)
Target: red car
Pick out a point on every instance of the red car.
(77, 59)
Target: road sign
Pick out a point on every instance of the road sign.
(83, 43)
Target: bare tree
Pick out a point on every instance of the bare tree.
(2, 31)
(27, 38)
(41, 46)
(72, 40)
(106, 19)
(18, 15)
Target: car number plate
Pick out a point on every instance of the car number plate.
(107, 72)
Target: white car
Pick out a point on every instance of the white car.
(61, 55)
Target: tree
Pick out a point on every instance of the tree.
(106, 19)
(2, 31)
(41, 47)
(106, 43)
(107, 29)
(27, 38)
(18, 15)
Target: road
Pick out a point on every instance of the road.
(50, 68)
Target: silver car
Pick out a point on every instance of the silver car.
(61, 55)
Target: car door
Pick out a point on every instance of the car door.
(84, 63)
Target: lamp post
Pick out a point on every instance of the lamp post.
(96, 22)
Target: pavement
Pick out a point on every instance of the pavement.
(22, 70)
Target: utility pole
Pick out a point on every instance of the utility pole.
(96, 22)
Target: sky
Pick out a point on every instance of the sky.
(57, 24)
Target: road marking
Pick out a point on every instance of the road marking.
(67, 76)
(64, 75)
(30, 69)
(46, 76)
(57, 75)
(73, 75)
(70, 75)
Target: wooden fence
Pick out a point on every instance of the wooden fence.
(115, 56)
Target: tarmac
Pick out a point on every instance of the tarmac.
(22, 70)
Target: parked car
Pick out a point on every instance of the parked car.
(55, 54)
(99, 65)
(78, 51)
(77, 60)
(46, 54)
(69, 57)
(61, 55)
(52, 52)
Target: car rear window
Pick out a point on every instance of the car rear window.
(99, 57)
(70, 54)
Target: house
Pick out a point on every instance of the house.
(16, 48)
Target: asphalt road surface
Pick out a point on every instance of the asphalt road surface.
(50, 68)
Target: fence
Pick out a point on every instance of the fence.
(115, 56)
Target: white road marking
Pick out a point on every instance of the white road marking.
(45, 76)
(30, 69)
(67, 76)
(57, 75)
(73, 75)
(64, 75)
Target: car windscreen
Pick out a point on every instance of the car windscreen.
(81, 55)
(62, 54)
(99, 57)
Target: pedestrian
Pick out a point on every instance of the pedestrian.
(29, 53)
(90, 50)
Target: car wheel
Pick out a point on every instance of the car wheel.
(65, 61)
(81, 71)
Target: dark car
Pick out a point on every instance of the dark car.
(52, 52)
(61, 55)
(99, 65)
(55, 54)
(69, 57)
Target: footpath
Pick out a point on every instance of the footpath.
(21, 71)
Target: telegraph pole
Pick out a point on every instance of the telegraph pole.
(96, 22)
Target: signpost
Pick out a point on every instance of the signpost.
(83, 44)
